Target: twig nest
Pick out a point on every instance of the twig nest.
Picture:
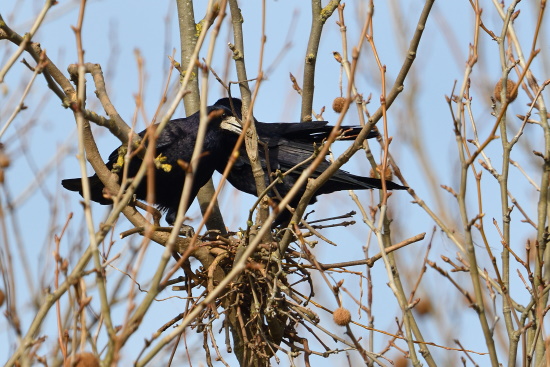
(85, 359)
(341, 316)
(510, 85)
(338, 104)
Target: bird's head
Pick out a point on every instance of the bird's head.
(229, 112)
(222, 117)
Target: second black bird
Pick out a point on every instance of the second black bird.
(285, 145)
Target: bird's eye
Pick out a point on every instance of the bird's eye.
(224, 115)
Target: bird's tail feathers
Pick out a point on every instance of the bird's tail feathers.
(72, 184)
(351, 132)
(347, 181)
(96, 188)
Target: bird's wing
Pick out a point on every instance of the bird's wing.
(241, 176)
(306, 132)
(289, 154)
(286, 154)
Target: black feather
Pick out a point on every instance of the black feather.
(176, 142)
(283, 146)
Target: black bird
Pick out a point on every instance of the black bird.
(284, 145)
(176, 142)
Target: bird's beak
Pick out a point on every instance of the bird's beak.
(230, 123)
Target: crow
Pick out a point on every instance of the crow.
(282, 146)
(176, 142)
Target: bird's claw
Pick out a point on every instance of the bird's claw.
(187, 231)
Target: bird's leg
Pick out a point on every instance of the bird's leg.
(187, 231)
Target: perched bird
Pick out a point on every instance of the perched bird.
(283, 146)
(176, 142)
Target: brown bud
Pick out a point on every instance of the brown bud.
(341, 316)
(215, 9)
(64, 265)
(337, 56)
(85, 359)
(338, 104)
(424, 306)
(388, 173)
(510, 85)
(401, 362)
(4, 160)
(2, 297)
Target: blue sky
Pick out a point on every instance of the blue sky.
(113, 32)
